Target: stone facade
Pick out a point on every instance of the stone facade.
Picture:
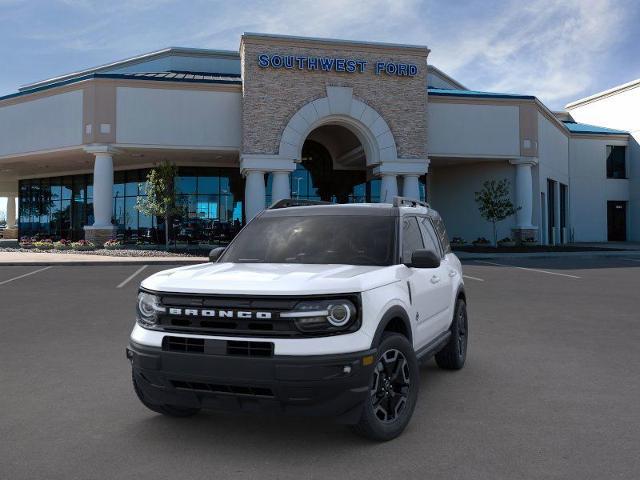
(272, 96)
(99, 236)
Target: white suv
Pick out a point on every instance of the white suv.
(312, 309)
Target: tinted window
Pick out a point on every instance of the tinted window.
(616, 162)
(411, 238)
(442, 234)
(349, 240)
(430, 238)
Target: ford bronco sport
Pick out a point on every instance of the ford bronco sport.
(313, 310)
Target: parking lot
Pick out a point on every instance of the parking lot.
(551, 388)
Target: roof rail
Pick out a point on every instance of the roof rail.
(408, 202)
(296, 202)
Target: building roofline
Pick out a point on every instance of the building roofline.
(445, 92)
(336, 41)
(120, 76)
(604, 93)
(447, 77)
(132, 61)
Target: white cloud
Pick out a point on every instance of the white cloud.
(546, 48)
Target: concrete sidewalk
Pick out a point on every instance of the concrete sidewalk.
(593, 253)
(37, 259)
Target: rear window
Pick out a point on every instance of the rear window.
(316, 239)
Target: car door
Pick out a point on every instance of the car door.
(446, 272)
(424, 284)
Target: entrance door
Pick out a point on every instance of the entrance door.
(617, 221)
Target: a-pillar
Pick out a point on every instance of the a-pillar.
(524, 228)
(102, 228)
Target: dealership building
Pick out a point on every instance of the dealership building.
(309, 118)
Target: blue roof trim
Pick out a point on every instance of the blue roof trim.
(225, 80)
(585, 128)
(444, 92)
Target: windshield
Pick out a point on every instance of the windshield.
(343, 239)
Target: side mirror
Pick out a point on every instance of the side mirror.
(424, 259)
(214, 254)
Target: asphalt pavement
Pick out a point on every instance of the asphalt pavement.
(550, 389)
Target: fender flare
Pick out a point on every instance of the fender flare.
(460, 293)
(394, 312)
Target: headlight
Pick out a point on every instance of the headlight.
(331, 315)
(148, 307)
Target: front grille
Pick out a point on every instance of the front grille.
(253, 391)
(212, 346)
(221, 315)
(250, 349)
(183, 344)
(273, 326)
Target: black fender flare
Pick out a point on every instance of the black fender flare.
(394, 312)
(459, 294)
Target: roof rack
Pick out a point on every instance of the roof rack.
(408, 202)
(296, 202)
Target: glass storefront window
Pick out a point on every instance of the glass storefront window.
(60, 207)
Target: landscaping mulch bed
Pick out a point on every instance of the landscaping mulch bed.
(113, 253)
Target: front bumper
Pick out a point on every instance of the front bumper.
(319, 385)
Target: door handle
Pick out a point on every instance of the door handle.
(435, 279)
(452, 273)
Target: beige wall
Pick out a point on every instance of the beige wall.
(173, 117)
(45, 123)
(272, 96)
(473, 129)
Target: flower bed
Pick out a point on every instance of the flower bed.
(83, 245)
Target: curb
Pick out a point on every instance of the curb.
(90, 263)
(498, 256)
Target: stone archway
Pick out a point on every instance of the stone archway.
(339, 107)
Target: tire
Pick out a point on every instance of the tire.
(394, 387)
(454, 353)
(169, 410)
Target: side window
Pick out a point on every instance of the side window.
(430, 238)
(442, 234)
(411, 237)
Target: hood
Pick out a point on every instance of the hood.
(270, 279)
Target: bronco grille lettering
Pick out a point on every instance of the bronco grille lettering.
(240, 314)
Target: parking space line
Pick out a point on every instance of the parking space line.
(632, 259)
(473, 278)
(529, 269)
(132, 276)
(25, 275)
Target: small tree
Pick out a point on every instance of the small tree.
(161, 200)
(494, 203)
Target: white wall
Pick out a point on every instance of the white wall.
(190, 118)
(553, 163)
(42, 124)
(452, 193)
(589, 189)
(620, 111)
(465, 129)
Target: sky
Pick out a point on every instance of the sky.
(557, 50)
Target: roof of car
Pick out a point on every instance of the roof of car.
(353, 209)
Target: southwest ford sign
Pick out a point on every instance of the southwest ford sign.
(333, 64)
